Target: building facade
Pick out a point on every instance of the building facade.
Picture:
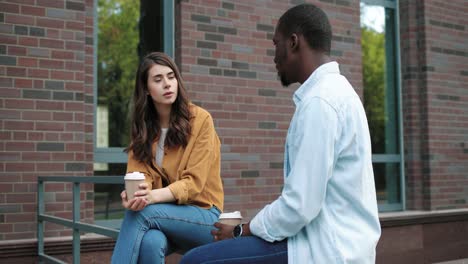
(64, 67)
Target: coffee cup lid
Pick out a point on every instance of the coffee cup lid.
(134, 176)
(235, 214)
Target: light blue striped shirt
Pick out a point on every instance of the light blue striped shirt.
(328, 208)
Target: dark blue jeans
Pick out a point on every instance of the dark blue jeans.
(243, 250)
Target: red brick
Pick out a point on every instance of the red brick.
(20, 136)
(74, 45)
(49, 105)
(62, 116)
(72, 106)
(28, 41)
(9, 8)
(63, 55)
(27, 62)
(32, 10)
(49, 126)
(54, 187)
(36, 115)
(74, 86)
(19, 146)
(9, 114)
(74, 66)
(13, 71)
(66, 137)
(51, 64)
(38, 73)
(20, 167)
(17, 51)
(63, 197)
(35, 156)
(54, 33)
(72, 25)
(62, 156)
(21, 187)
(6, 188)
(20, 217)
(67, 35)
(19, 19)
(36, 136)
(74, 127)
(79, 76)
(74, 147)
(18, 125)
(51, 3)
(52, 167)
(38, 84)
(23, 83)
(51, 43)
(8, 39)
(50, 23)
(54, 207)
(6, 228)
(11, 93)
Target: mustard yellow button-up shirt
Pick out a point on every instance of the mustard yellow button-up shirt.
(192, 173)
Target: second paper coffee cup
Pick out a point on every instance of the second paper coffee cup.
(233, 218)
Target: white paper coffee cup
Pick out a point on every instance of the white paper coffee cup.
(132, 181)
(233, 218)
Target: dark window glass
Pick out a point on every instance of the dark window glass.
(380, 91)
(387, 182)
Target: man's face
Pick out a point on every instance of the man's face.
(281, 58)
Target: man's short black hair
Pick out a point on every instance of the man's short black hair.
(311, 22)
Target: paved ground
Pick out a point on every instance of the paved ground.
(458, 261)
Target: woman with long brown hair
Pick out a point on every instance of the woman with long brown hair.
(175, 145)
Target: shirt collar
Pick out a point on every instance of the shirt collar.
(329, 67)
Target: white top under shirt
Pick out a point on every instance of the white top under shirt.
(160, 148)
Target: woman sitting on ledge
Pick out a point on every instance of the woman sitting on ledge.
(175, 145)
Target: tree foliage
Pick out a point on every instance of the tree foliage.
(373, 63)
(117, 63)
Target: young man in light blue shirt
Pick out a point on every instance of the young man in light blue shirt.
(327, 211)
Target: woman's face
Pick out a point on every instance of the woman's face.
(162, 85)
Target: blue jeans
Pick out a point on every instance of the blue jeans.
(147, 236)
(243, 250)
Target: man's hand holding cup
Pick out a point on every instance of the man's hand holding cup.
(226, 224)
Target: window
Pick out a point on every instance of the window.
(126, 30)
(381, 80)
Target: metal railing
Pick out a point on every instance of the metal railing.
(75, 224)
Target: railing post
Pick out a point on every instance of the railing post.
(76, 218)
(40, 223)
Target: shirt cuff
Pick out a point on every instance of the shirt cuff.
(179, 191)
(258, 228)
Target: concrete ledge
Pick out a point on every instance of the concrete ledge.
(422, 217)
(458, 261)
(54, 246)
(414, 237)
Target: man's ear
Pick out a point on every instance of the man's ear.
(294, 41)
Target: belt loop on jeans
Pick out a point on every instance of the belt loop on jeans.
(216, 208)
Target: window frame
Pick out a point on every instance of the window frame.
(394, 158)
(117, 154)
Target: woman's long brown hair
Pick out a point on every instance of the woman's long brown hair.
(146, 127)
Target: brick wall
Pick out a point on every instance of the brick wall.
(227, 62)
(46, 108)
(434, 62)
